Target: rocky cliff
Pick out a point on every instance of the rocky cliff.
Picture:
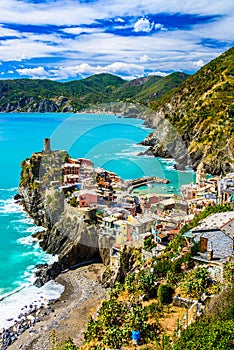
(195, 123)
(67, 233)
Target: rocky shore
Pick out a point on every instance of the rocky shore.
(67, 316)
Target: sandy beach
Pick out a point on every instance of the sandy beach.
(68, 316)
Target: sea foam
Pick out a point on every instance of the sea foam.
(8, 206)
(19, 301)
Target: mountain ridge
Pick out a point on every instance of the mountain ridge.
(31, 95)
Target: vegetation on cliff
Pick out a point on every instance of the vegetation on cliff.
(202, 111)
(215, 330)
(142, 300)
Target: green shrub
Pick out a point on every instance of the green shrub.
(165, 293)
(73, 202)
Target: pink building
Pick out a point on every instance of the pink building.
(87, 198)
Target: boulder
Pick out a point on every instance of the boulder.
(45, 273)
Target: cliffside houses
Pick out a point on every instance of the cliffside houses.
(127, 218)
(211, 191)
(103, 198)
(75, 170)
(226, 189)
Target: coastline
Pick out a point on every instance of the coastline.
(68, 315)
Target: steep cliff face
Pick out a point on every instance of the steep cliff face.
(201, 112)
(73, 240)
(67, 233)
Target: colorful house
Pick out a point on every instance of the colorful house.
(87, 198)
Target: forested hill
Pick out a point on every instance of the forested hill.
(202, 111)
(35, 95)
(31, 95)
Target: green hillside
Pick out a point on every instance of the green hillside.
(28, 95)
(202, 111)
(130, 90)
(161, 87)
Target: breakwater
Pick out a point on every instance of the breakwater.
(131, 184)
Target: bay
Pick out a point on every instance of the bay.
(109, 141)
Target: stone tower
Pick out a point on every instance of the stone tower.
(200, 174)
(46, 146)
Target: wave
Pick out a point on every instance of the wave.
(32, 252)
(18, 301)
(29, 276)
(128, 153)
(28, 240)
(145, 127)
(9, 206)
(13, 189)
(26, 220)
(35, 229)
(167, 160)
(170, 167)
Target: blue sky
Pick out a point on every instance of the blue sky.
(72, 39)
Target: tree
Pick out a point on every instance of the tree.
(165, 293)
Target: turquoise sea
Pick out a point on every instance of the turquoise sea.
(109, 141)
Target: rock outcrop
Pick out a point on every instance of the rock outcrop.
(69, 235)
(45, 273)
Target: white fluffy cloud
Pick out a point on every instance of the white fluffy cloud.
(119, 50)
(79, 30)
(143, 25)
(119, 68)
(160, 26)
(72, 12)
(160, 74)
(5, 32)
(125, 70)
(38, 72)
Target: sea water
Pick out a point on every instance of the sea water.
(110, 142)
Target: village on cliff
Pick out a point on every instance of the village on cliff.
(149, 223)
(102, 198)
